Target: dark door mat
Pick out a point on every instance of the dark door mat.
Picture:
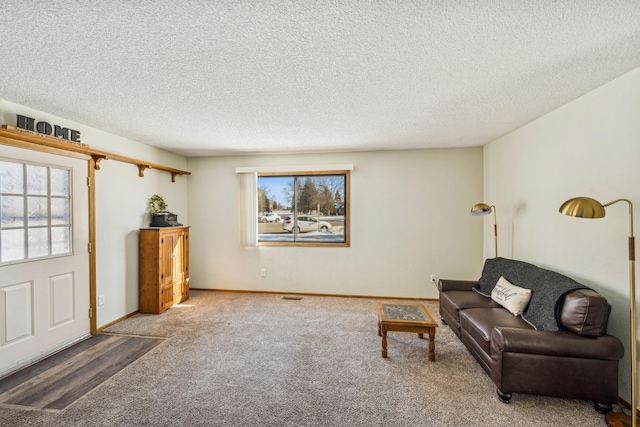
(59, 380)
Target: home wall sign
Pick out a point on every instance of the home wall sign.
(29, 139)
(45, 128)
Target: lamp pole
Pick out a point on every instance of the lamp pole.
(632, 307)
(586, 207)
(495, 229)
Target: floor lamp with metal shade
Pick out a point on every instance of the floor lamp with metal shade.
(484, 209)
(586, 207)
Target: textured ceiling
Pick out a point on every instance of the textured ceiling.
(200, 77)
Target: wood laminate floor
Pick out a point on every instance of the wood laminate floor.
(59, 380)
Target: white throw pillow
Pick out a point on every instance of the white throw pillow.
(512, 297)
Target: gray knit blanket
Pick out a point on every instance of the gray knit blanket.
(547, 289)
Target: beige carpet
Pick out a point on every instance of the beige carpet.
(235, 359)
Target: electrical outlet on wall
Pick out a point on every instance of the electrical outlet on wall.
(434, 278)
(101, 299)
(263, 272)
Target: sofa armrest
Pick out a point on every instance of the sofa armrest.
(560, 343)
(456, 285)
(584, 312)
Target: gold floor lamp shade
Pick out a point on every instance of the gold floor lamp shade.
(586, 207)
(484, 209)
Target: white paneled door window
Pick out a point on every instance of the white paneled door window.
(35, 211)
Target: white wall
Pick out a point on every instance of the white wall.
(589, 147)
(409, 219)
(121, 207)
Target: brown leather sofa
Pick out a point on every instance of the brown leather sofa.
(557, 347)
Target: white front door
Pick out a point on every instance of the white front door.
(44, 259)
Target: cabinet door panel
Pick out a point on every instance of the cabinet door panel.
(185, 266)
(167, 244)
(185, 256)
(177, 258)
(166, 297)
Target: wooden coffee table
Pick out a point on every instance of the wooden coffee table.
(406, 318)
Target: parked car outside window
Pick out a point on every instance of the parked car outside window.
(306, 224)
(270, 217)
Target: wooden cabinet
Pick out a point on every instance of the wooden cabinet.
(164, 267)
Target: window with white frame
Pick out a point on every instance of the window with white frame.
(35, 211)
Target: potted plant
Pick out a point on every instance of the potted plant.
(157, 205)
(158, 209)
(160, 217)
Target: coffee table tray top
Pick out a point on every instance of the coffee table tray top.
(405, 314)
